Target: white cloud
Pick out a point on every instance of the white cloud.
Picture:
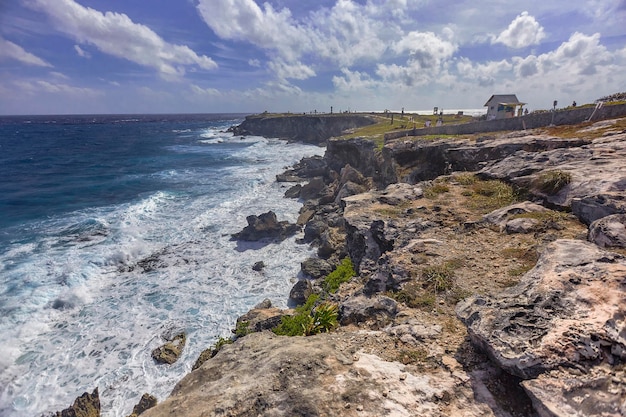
(523, 31)
(11, 50)
(211, 92)
(117, 35)
(38, 87)
(486, 74)
(574, 60)
(81, 52)
(354, 81)
(254, 62)
(297, 70)
(426, 49)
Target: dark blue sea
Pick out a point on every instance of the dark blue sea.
(114, 232)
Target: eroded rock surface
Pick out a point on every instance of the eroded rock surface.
(268, 375)
(568, 312)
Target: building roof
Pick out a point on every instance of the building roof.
(504, 99)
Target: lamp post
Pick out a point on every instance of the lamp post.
(554, 103)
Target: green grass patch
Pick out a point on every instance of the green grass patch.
(433, 190)
(551, 182)
(465, 178)
(489, 195)
(343, 273)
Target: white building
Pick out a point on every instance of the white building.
(502, 106)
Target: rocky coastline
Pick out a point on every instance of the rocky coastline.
(489, 280)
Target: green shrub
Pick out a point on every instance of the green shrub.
(551, 182)
(341, 274)
(242, 329)
(309, 320)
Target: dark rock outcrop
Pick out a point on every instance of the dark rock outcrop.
(169, 352)
(301, 291)
(377, 311)
(266, 226)
(87, 405)
(316, 267)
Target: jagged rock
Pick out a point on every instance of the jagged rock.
(400, 193)
(266, 226)
(566, 312)
(385, 278)
(294, 192)
(312, 189)
(378, 310)
(269, 375)
(266, 303)
(571, 393)
(596, 169)
(170, 352)
(87, 405)
(521, 225)
(593, 207)
(502, 216)
(258, 266)
(414, 332)
(609, 231)
(309, 167)
(313, 230)
(350, 174)
(331, 242)
(305, 216)
(146, 402)
(301, 291)
(316, 268)
(348, 189)
(261, 317)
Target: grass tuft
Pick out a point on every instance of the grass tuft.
(551, 182)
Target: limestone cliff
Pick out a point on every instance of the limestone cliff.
(315, 129)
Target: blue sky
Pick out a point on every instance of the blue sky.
(201, 56)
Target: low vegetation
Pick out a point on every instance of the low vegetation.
(309, 319)
(551, 182)
(343, 273)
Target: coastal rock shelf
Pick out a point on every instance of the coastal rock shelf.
(468, 300)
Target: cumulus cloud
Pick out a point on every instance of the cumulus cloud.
(523, 31)
(343, 34)
(580, 56)
(117, 35)
(425, 48)
(11, 50)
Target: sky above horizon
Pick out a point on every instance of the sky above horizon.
(219, 56)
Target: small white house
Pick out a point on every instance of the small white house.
(502, 106)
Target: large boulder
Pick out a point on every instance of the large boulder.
(266, 226)
(609, 231)
(376, 311)
(316, 267)
(170, 351)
